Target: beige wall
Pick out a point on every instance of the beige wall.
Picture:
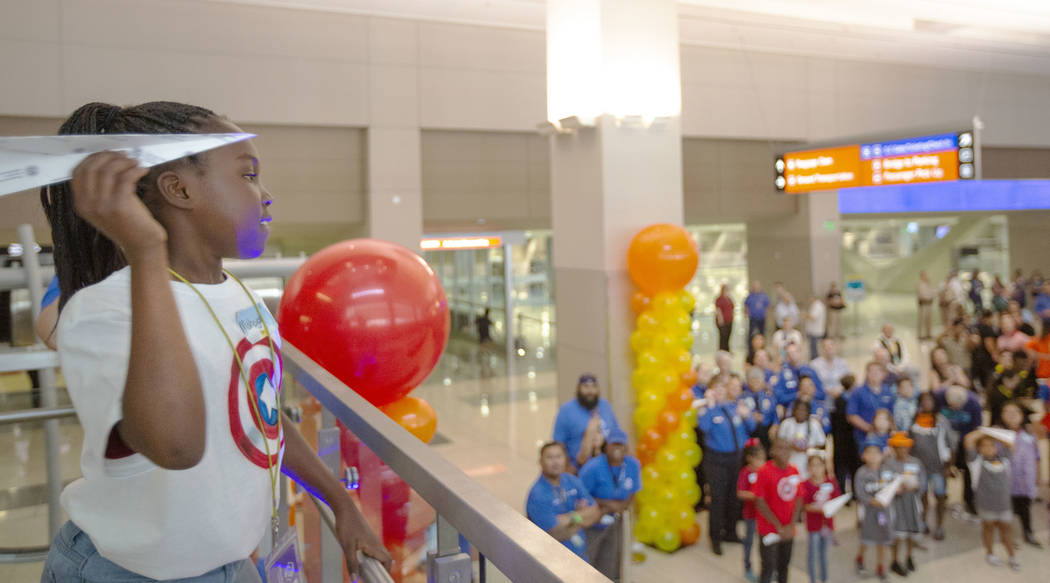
(501, 179)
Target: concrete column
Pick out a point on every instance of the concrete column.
(607, 183)
(803, 250)
(395, 193)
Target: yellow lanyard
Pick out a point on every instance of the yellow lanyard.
(271, 469)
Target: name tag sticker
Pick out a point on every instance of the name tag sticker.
(250, 324)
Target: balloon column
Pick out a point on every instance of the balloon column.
(661, 260)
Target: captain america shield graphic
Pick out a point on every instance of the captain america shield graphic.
(255, 435)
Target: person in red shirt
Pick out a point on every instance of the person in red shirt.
(778, 504)
(816, 491)
(754, 458)
(724, 317)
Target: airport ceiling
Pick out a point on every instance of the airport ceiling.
(1004, 35)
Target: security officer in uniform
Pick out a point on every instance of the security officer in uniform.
(726, 425)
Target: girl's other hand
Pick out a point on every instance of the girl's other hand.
(104, 195)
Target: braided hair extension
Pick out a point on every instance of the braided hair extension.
(84, 256)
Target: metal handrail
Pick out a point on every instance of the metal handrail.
(27, 415)
(372, 571)
(518, 548)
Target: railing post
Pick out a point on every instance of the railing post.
(449, 564)
(48, 396)
(328, 449)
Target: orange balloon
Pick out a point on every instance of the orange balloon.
(690, 535)
(653, 438)
(640, 302)
(680, 401)
(415, 415)
(690, 378)
(668, 420)
(644, 454)
(662, 257)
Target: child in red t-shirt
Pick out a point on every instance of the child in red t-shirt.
(754, 457)
(816, 491)
(778, 505)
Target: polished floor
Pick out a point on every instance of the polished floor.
(492, 416)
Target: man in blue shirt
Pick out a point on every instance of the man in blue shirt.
(868, 398)
(817, 409)
(962, 409)
(559, 502)
(726, 426)
(584, 424)
(612, 479)
(795, 368)
(757, 305)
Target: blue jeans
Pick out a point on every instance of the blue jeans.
(73, 557)
(749, 540)
(817, 550)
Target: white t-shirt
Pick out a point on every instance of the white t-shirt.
(168, 524)
(815, 322)
(807, 435)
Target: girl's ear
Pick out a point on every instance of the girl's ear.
(173, 190)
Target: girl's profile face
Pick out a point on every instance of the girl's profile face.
(233, 213)
(1012, 417)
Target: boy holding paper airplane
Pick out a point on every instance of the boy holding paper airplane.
(988, 454)
(778, 504)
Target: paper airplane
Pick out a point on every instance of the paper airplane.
(886, 494)
(1004, 435)
(831, 507)
(771, 539)
(698, 403)
(35, 161)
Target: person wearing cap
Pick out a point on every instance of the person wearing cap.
(559, 503)
(726, 425)
(584, 423)
(613, 479)
(908, 523)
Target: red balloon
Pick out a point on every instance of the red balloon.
(371, 312)
(415, 415)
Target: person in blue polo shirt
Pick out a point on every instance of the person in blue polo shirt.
(559, 502)
(612, 479)
(726, 426)
(868, 398)
(757, 304)
(584, 423)
(790, 373)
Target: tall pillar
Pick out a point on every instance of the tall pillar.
(614, 66)
(802, 250)
(395, 192)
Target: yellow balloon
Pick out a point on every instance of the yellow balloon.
(668, 541)
(686, 341)
(689, 418)
(682, 362)
(676, 323)
(686, 300)
(645, 532)
(640, 340)
(667, 460)
(691, 493)
(651, 475)
(647, 322)
(649, 359)
(643, 376)
(665, 304)
(692, 455)
(645, 417)
(684, 518)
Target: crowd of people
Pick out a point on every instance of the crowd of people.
(785, 434)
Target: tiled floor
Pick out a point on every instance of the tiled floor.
(492, 422)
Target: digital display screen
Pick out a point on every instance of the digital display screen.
(936, 158)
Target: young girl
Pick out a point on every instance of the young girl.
(157, 343)
(906, 404)
(803, 432)
(1024, 465)
(873, 517)
(934, 443)
(754, 459)
(906, 510)
(815, 492)
(881, 425)
(989, 460)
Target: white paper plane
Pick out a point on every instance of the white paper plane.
(886, 494)
(831, 507)
(34, 161)
(1004, 435)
